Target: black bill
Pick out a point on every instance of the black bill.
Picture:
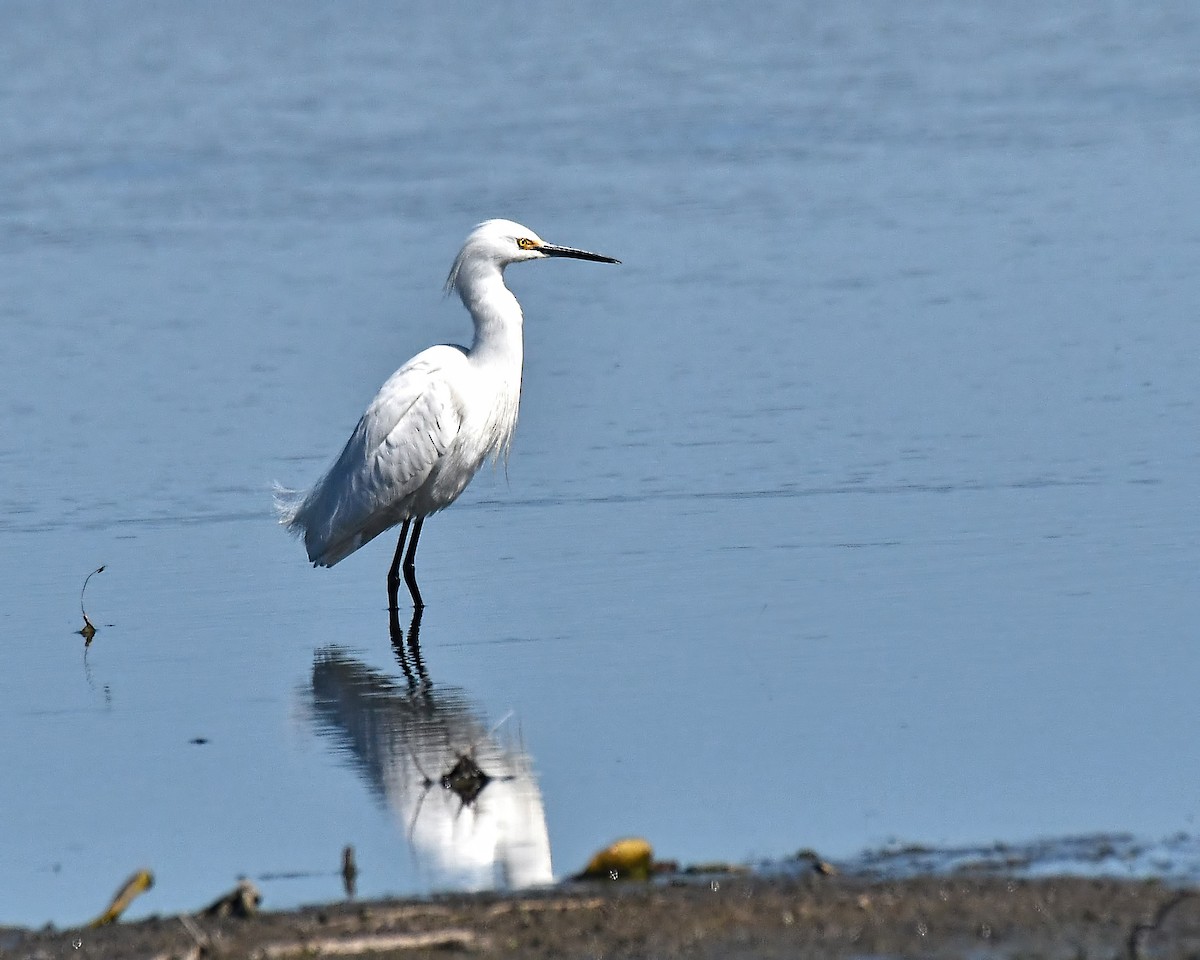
(555, 251)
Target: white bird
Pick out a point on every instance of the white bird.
(434, 421)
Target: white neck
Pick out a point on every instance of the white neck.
(497, 351)
(496, 312)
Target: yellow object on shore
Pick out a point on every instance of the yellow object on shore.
(136, 885)
(626, 859)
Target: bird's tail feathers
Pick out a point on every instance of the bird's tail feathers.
(295, 509)
(288, 503)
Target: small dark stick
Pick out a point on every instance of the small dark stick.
(349, 871)
(89, 628)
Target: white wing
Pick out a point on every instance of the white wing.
(406, 430)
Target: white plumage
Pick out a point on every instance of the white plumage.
(435, 420)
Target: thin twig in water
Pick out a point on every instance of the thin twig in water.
(499, 723)
(89, 628)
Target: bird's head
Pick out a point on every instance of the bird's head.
(497, 243)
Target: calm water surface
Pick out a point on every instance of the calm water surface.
(858, 505)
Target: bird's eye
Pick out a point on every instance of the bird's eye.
(525, 243)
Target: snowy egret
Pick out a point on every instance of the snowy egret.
(434, 421)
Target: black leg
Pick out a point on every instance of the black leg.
(410, 564)
(393, 580)
(414, 647)
(408, 653)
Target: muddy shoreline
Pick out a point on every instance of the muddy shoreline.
(733, 917)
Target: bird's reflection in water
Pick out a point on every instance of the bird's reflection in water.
(464, 793)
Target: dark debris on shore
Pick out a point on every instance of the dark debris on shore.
(734, 917)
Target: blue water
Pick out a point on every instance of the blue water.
(858, 506)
